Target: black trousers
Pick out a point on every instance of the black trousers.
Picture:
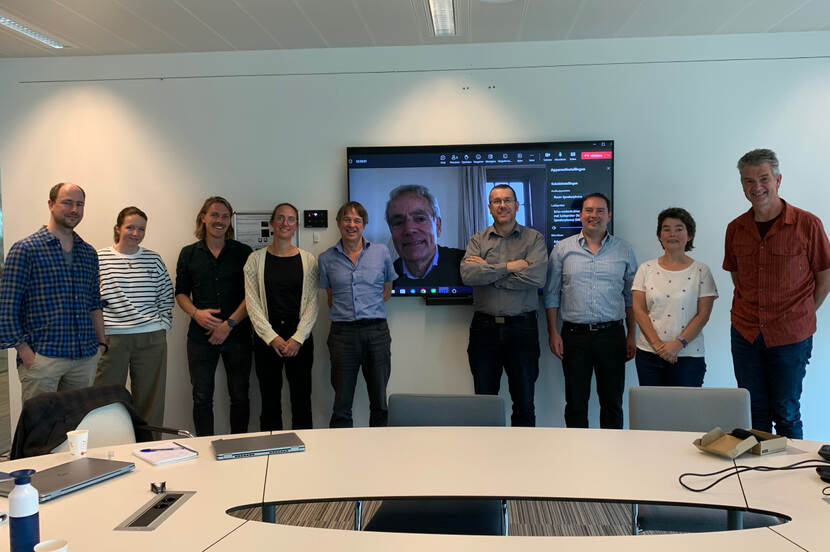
(269, 367)
(509, 344)
(202, 359)
(352, 345)
(587, 352)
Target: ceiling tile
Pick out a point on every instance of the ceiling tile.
(652, 18)
(121, 22)
(496, 22)
(230, 22)
(813, 16)
(13, 44)
(706, 16)
(61, 23)
(392, 22)
(285, 22)
(337, 22)
(177, 23)
(760, 16)
(546, 20)
(601, 18)
(155, 26)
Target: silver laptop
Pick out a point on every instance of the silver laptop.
(243, 447)
(71, 476)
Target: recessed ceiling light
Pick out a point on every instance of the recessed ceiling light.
(443, 17)
(31, 33)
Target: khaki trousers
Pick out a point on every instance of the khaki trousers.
(144, 355)
(50, 374)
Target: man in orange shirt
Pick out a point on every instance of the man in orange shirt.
(779, 257)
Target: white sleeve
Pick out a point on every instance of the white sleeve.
(640, 278)
(707, 283)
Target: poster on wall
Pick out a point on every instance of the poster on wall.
(253, 229)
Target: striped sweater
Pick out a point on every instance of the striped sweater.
(137, 290)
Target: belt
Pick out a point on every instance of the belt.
(361, 322)
(529, 315)
(593, 327)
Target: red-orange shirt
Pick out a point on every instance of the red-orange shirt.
(776, 275)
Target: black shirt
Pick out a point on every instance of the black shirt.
(283, 288)
(446, 273)
(214, 283)
(764, 227)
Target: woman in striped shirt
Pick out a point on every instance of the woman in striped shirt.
(138, 312)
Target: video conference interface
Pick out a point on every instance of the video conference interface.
(549, 178)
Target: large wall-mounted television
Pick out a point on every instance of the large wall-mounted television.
(549, 178)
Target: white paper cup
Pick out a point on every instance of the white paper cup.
(77, 442)
(56, 545)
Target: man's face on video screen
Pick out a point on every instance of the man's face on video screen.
(414, 227)
(503, 205)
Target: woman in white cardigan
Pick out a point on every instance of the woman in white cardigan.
(281, 297)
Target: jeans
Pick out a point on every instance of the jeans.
(653, 370)
(269, 368)
(202, 359)
(512, 346)
(363, 343)
(586, 352)
(773, 377)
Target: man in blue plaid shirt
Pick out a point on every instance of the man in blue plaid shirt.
(50, 304)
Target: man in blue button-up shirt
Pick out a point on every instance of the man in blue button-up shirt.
(50, 304)
(357, 275)
(589, 281)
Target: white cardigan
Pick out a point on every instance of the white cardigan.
(257, 304)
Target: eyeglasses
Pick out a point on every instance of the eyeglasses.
(282, 218)
(498, 201)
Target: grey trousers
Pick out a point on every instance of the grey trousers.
(144, 355)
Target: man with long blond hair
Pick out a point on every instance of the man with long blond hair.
(210, 288)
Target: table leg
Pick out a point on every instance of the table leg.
(734, 520)
(269, 513)
(358, 514)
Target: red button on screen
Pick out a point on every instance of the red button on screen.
(597, 155)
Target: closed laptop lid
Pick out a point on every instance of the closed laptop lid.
(71, 476)
(257, 445)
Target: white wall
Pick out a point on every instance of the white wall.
(164, 131)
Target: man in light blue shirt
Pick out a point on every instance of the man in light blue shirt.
(589, 280)
(357, 275)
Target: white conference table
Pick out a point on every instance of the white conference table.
(796, 492)
(364, 463)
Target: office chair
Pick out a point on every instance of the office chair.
(436, 515)
(106, 411)
(698, 409)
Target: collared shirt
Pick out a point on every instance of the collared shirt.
(775, 276)
(589, 287)
(432, 265)
(495, 290)
(356, 288)
(214, 283)
(46, 303)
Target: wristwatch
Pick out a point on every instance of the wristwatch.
(105, 346)
(231, 322)
(682, 341)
